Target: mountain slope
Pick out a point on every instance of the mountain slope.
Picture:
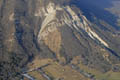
(67, 33)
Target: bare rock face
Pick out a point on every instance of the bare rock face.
(55, 29)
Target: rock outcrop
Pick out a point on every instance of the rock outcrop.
(55, 29)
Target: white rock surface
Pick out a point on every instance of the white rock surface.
(69, 17)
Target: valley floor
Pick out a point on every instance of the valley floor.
(48, 69)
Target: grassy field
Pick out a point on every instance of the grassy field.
(55, 70)
(36, 75)
(67, 73)
(101, 76)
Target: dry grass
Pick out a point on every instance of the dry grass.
(36, 75)
(101, 76)
(58, 71)
(54, 70)
(98, 75)
(39, 62)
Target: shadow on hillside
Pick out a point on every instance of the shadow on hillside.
(97, 8)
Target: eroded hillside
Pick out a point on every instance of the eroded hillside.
(49, 40)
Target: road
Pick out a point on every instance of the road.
(40, 70)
